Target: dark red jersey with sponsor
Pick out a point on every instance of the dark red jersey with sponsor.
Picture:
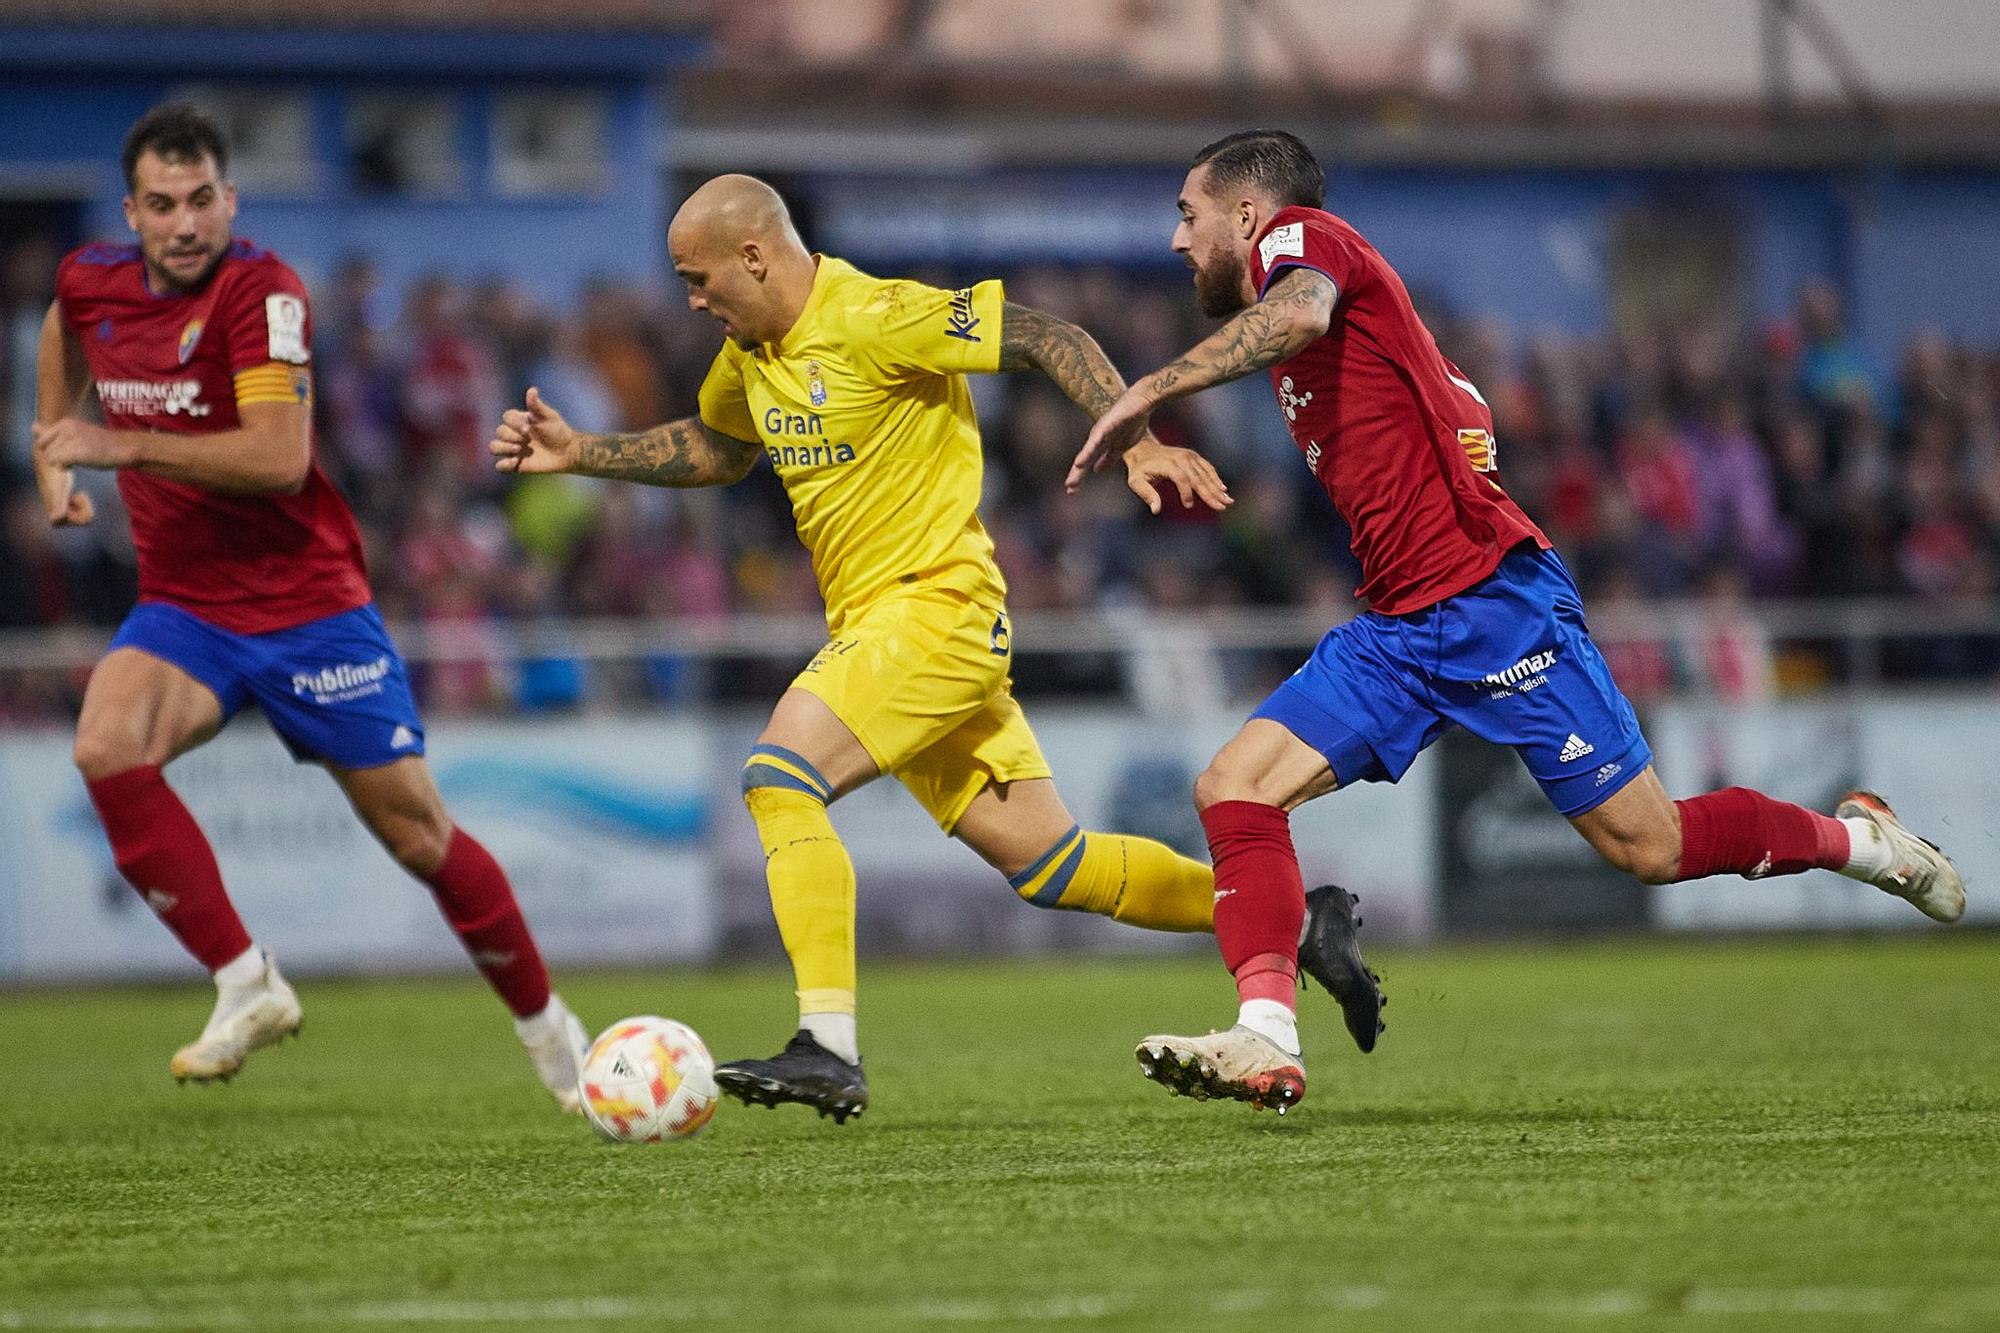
(183, 363)
(1401, 440)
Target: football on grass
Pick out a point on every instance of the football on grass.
(648, 1080)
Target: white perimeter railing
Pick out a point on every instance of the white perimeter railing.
(1166, 659)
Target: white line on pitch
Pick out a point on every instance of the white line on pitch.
(1914, 1303)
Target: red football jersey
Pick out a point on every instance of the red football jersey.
(1401, 440)
(181, 363)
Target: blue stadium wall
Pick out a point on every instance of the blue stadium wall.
(67, 98)
(1534, 247)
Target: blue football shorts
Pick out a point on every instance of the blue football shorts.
(1509, 659)
(335, 690)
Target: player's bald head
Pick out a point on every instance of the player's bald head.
(735, 247)
(730, 211)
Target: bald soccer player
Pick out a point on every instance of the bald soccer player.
(855, 389)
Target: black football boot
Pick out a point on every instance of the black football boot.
(804, 1072)
(1330, 955)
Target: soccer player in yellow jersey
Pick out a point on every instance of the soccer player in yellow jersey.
(854, 387)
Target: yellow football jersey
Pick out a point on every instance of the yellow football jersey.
(866, 415)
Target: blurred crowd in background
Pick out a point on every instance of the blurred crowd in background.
(1721, 464)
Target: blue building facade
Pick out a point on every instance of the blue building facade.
(1536, 248)
(538, 155)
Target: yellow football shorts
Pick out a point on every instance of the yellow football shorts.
(920, 677)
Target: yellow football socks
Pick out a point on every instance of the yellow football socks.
(809, 874)
(1134, 880)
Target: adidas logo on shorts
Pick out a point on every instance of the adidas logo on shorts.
(1575, 748)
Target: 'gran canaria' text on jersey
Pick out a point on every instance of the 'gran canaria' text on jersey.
(808, 453)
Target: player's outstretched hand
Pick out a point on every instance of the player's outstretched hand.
(533, 439)
(1115, 432)
(1152, 467)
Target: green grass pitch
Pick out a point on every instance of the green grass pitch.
(1775, 1134)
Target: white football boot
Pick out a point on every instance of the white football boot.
(1241, 1064)
(1917, 869)
(556, 1042)
(256, 1014)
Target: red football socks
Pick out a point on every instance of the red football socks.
(473, 892)
(164, 855)
(1260, 899)
(1269, 976)
(1746, 832)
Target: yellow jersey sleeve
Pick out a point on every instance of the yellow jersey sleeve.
(906, 329)
(724, 402)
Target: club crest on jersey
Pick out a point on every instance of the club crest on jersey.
(189, 337)
(815, 386)
(1290, 401)
(1289, 239)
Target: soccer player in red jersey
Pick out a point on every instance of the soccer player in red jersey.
(251, 586)
(1472, 619)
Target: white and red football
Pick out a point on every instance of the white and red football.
(648, 1080)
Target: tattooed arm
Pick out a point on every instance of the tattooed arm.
(1030, 338)
(1033, 340)
(1296, 309)
(680, 453)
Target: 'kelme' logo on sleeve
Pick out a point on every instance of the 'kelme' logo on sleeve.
(960, 321)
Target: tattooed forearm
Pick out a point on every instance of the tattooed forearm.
(1031, 339)
(680, 453)
(1297, 309)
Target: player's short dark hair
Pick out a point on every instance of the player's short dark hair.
(176, 132)
(1271, 161)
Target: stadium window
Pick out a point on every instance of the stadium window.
(405, 144)
(1678, 263)
(549, 143)
(269, 132)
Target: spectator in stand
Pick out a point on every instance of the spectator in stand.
(451, 389)
(27, 284)
(1657, 470)
(352, 305)
(516, 332)
(360, 435)
(1836, 373)
(1931, 378)
(551, 515)
(1941, 540)
(1733, 662)
(612, 338)
(1645, 663)
(1739, 507)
